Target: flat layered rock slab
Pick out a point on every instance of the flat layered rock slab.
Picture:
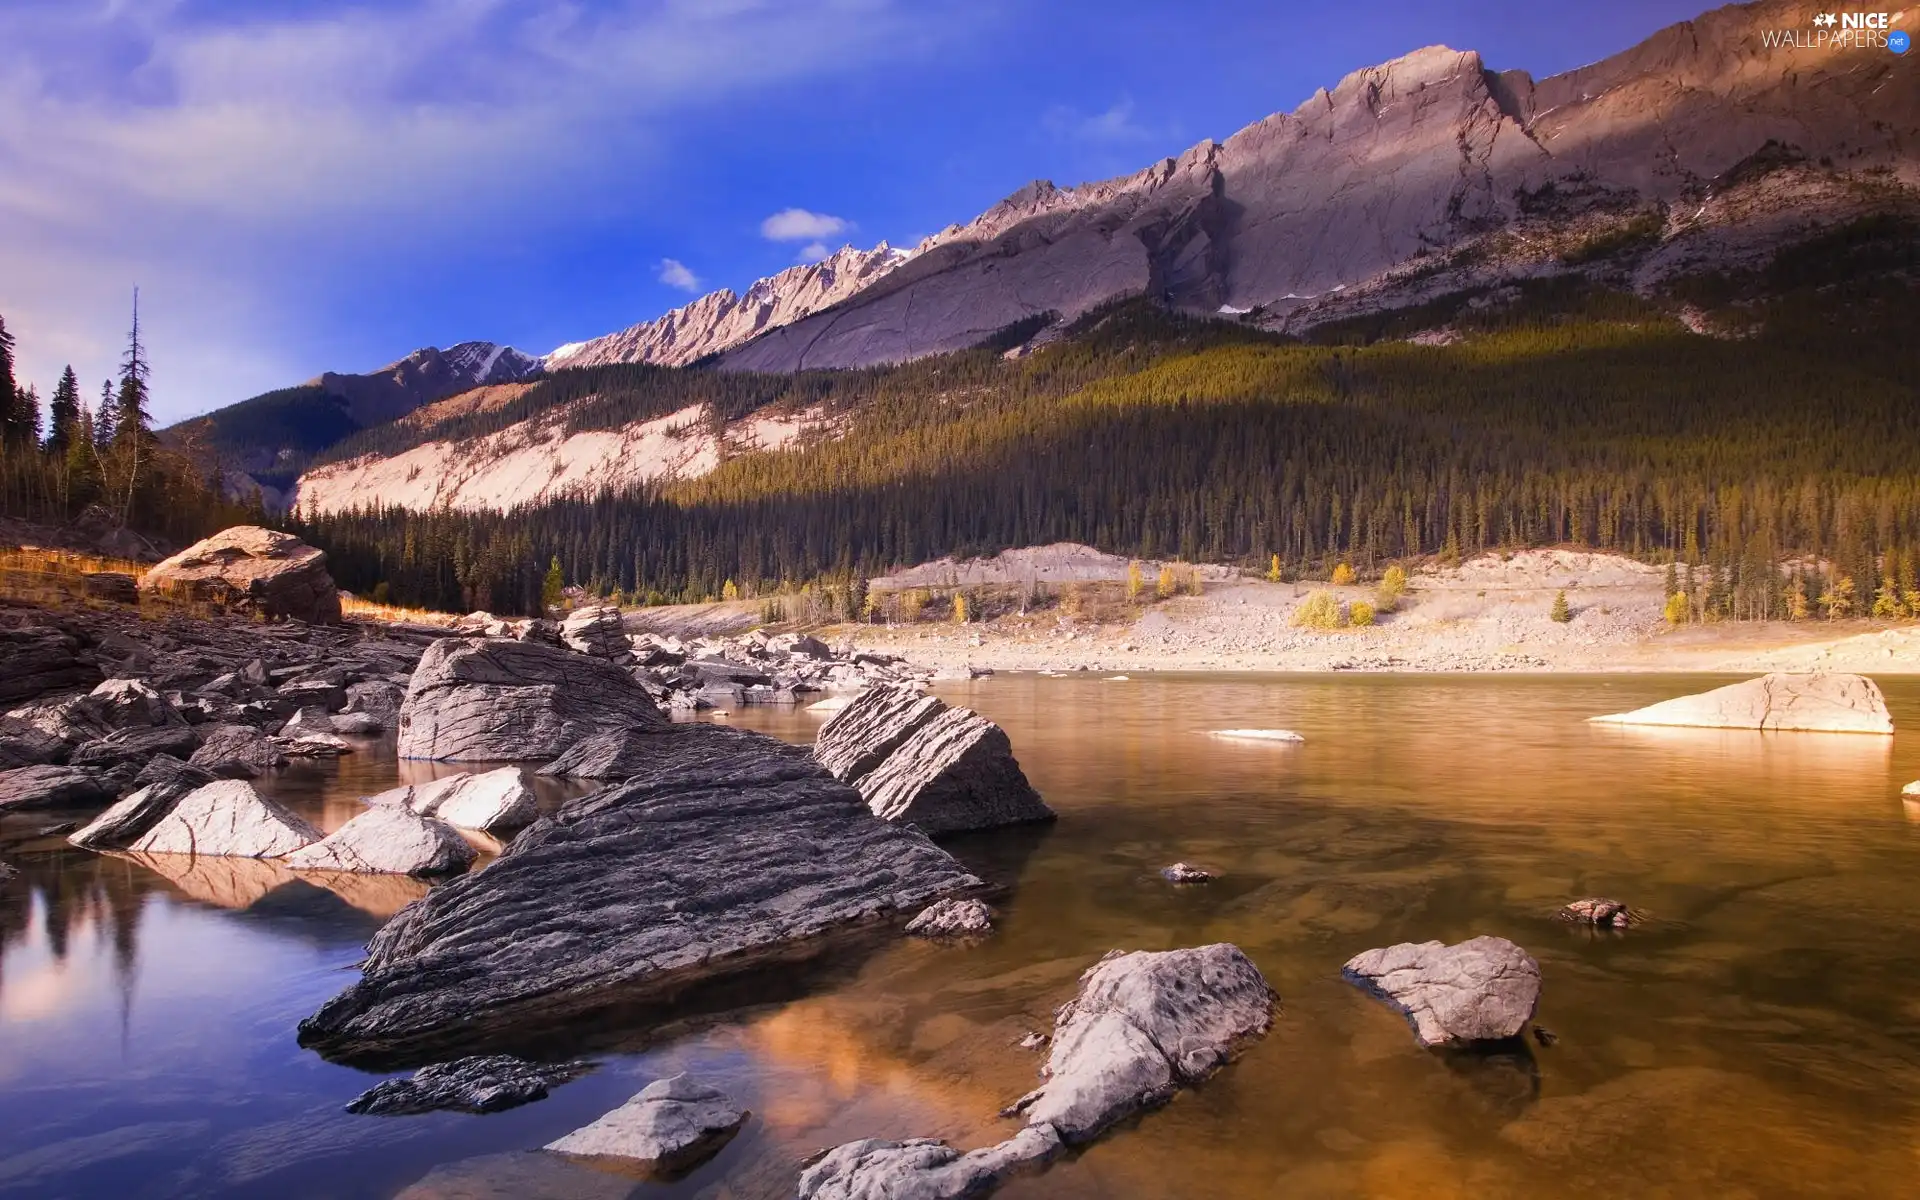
(871, 727)
(480, 1084)
(1482, 990)
(671, 1125)
(733, 850)
(1814, 703)
(498, 700)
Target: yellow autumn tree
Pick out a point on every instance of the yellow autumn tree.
(1343, 575)
(1165, 586)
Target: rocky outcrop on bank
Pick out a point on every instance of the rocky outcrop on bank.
(731, 851)
(1143, 1026)
(495, 700)
(671, 1125)
(1821, 703)
(247, 568)
(1482, 990)
(918, 761)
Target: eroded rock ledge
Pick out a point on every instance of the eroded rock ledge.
(729, 850)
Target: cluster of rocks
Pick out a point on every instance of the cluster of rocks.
(914, 759)
(687, 675)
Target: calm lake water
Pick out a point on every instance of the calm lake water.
(1760, 1037)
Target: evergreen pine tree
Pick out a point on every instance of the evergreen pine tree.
(24, 428)
(103, 422)
(1561, 611)
(63, 414)
(553, 588)
(8, 434)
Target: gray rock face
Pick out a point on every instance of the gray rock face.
(670, 1126)
(917, 761)
(237, 752)
(53, 787)
(953, 918)
(492, 802)
(616, 754)
(1143, 1026)
(859, 737)
(494, 700)
(226, 819)
(125, 823)
(114, 705)
(136, 746)
(1481, 990)
(252, 569)
(483, 1084)
(42, 660)
(1821, 703)
(956, 773)
(23, 744)
(377, 698)
(731, 851)
(596, 630)
(387, 841)
(925, 1169)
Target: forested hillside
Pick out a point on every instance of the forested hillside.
(1560, 413)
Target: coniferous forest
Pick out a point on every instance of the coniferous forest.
(1564, 412)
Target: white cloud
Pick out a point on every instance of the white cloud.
(799, 225)
(813, 252)
(674, 273)
(253, 173)
(1114, 126)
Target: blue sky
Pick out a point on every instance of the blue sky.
(303, 185)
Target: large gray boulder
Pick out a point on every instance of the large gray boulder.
(41, 660)
(49, 786)
(672, 1124)
(1481, 990)
(596, 630)
(1821, 703)
(491, 801)
(251, 569)
(124, 823)
(481, 1084)
(732, 851)
(237, 752)
(496, 700)
(226, 819)
(387, 841)
(23, 744)
(1143, 1026)
(919, 762)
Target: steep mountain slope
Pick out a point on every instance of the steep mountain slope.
(1412, 162)
(720, 320)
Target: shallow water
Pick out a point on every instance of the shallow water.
(1759, 1037)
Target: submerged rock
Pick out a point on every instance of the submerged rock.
(387, 841)
(1143, 1026)
(1828, 703)
(953, 918)
(491, 801)
(482, 1084)
(237, 752)
(731, 851)
(49, 786)
(925, 1169)
(671, 1125)
(259, 570)
(494, 700)
(229, 819)
(1597, 911)
(1283, 736)
(1184, 872)
(1482, 990)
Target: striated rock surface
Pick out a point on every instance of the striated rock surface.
(491, 802)
(41, 660)
(49, 786)
(917, 761)
(482, 1084)
(953, 918)
(1481, 990)
(615, 754)
(259, 570)
(124, 823)
(956, 773)
(1143, 1026)
(237, 752)
(596, 630)
(1822, 703)
(672, 1124)
(226, 819)
(493, 700)
(731, 851)
(387, 841)
(135, 747)
(23, 744)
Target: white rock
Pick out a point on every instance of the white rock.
(1912, 789)
(387, 841)
(1823, 703)
(227, 819)
(1484, 989)
(923, 1168)
(673, 1123)
(488, 801)
(1258, 735)
(952, 918)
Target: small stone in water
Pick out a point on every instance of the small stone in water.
(1181, 872)
(1546, 1037)
(1594, 910)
